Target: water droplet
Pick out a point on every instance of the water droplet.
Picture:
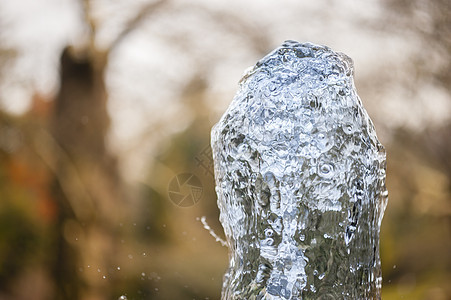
(326, 170)
(123, 297)
(264, 271)
(348, 128)
(268, 241)
(269, 232)
(270, 179)
(272, 87)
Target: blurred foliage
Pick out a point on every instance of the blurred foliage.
(26, 210)
(416, 232)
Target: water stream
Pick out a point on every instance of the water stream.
(300, 179)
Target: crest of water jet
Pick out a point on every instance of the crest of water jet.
(300, 179)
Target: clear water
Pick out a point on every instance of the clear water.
(300, 179)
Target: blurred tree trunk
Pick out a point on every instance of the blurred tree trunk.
(80, 117)
(87, 185)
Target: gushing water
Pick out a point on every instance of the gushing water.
(300, 179)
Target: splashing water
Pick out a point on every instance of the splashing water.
(207, 227)
(300, 179)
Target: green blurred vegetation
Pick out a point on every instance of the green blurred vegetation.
(71, 227)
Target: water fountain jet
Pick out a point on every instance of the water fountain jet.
(300, 179)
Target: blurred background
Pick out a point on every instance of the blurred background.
(105, 115)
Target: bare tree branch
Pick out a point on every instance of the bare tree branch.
(260, 40)
(90, 22)
(231, 22)
(134, 22)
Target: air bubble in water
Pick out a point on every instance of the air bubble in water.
(326, 170)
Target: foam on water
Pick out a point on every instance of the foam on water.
(300, 179)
